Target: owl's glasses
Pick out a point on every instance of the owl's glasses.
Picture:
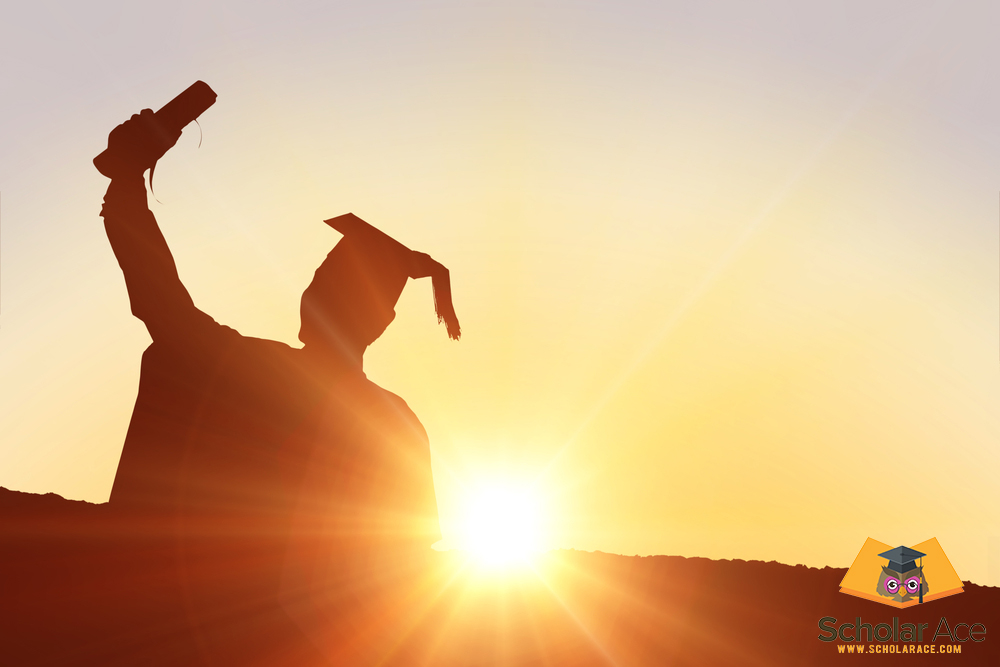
(892, 584)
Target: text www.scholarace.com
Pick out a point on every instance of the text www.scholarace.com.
(899, 648)
(900, 638)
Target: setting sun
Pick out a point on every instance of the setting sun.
(501, 525)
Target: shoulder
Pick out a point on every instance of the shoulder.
(392, 400)
(261, 345)
(211, 340)
(396, 408)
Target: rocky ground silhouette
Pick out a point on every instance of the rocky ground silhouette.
(81, 584)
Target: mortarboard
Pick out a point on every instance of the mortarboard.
(901, 559)
(396, 263)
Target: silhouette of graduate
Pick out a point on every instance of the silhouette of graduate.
(253, 451)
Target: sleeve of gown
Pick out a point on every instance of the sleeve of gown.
(416, 498)
(155, 291)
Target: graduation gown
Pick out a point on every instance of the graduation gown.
(239, 447)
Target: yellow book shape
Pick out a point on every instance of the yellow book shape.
(898, 576)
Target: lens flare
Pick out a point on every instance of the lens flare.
(501, 525)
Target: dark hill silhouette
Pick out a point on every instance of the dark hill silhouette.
(82, 584)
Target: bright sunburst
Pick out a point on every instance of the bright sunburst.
(501, 524)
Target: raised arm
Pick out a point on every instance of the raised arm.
(155, 290)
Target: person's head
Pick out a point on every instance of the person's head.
(352, 296)
(350, 301)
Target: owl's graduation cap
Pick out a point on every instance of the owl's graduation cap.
(392, 264)
(903, 559)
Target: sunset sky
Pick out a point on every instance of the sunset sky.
(728, 276)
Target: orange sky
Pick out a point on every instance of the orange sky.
(728, 278)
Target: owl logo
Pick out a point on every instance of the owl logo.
(903, 578)
(903, 581)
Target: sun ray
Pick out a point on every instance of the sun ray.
(903, 49)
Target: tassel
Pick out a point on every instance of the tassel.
(443, 306)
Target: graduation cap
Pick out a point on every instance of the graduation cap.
(903, 559)
(391, 264)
